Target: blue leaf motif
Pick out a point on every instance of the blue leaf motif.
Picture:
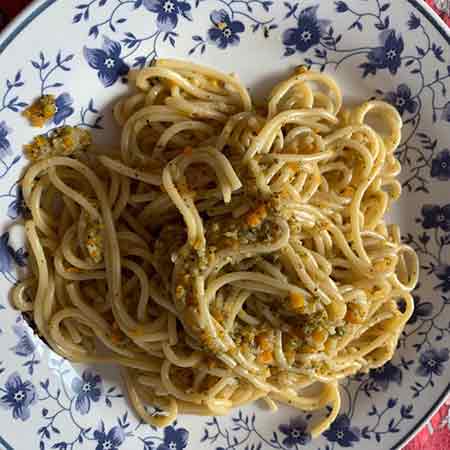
(405, 411)
(140, 62)
(392, 402)
(289, 51)
(93, 31)
(341, 7)
(357, 25)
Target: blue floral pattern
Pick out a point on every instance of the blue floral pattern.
(308, 32)
(443, 274)
(422, 310)
(17, 206)
(342, 432)
(432, 362)
(64, 108)
(26, 346)
(5, 146)
(168, 11)
(18, 396)
(107, 61)
(402, 100)
(10, 257)
(5, 253)
(446, 112)
(440, 166)
(225, 31)
(88, 389)
(413, 22)
(296, 433)
(385, 375)
(47, 69)
(174, 439)
(10, 100)
(435, 216)
(387, 55)
(230, 22)
(111, 440)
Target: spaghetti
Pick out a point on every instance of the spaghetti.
(226, 252)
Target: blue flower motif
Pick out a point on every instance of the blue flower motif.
(413, 22)
(443, 273)
(383, 376)
(25, 346)
(19, 396)
(436, 217)
(174, 439)
(440, 166)
(402, 99)
(6, 252)
(107, 61)
(17, 207)
(225, 31)
(111, 440)
(296, 433)
(64, 108)
(341, 432)
(341, 7)
(88, 389)
(432, 362)
(387, 56)
(5, 146)
(308, 32)
(167, 12)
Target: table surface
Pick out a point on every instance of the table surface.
(436, 434)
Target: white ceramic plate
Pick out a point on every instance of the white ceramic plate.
(376, 48)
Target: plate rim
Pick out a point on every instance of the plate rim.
(37, 7)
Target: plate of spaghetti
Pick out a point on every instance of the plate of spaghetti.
(225, 225)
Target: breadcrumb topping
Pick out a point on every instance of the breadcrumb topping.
(62, 141)
(41, 111)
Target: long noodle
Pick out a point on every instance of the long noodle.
(227, 253)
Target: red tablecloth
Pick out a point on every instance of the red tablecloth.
(436, 434)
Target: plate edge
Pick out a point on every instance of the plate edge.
(21, 21)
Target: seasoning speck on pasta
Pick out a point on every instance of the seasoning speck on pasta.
(223, 252)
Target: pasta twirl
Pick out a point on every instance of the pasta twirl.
(225, 252)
